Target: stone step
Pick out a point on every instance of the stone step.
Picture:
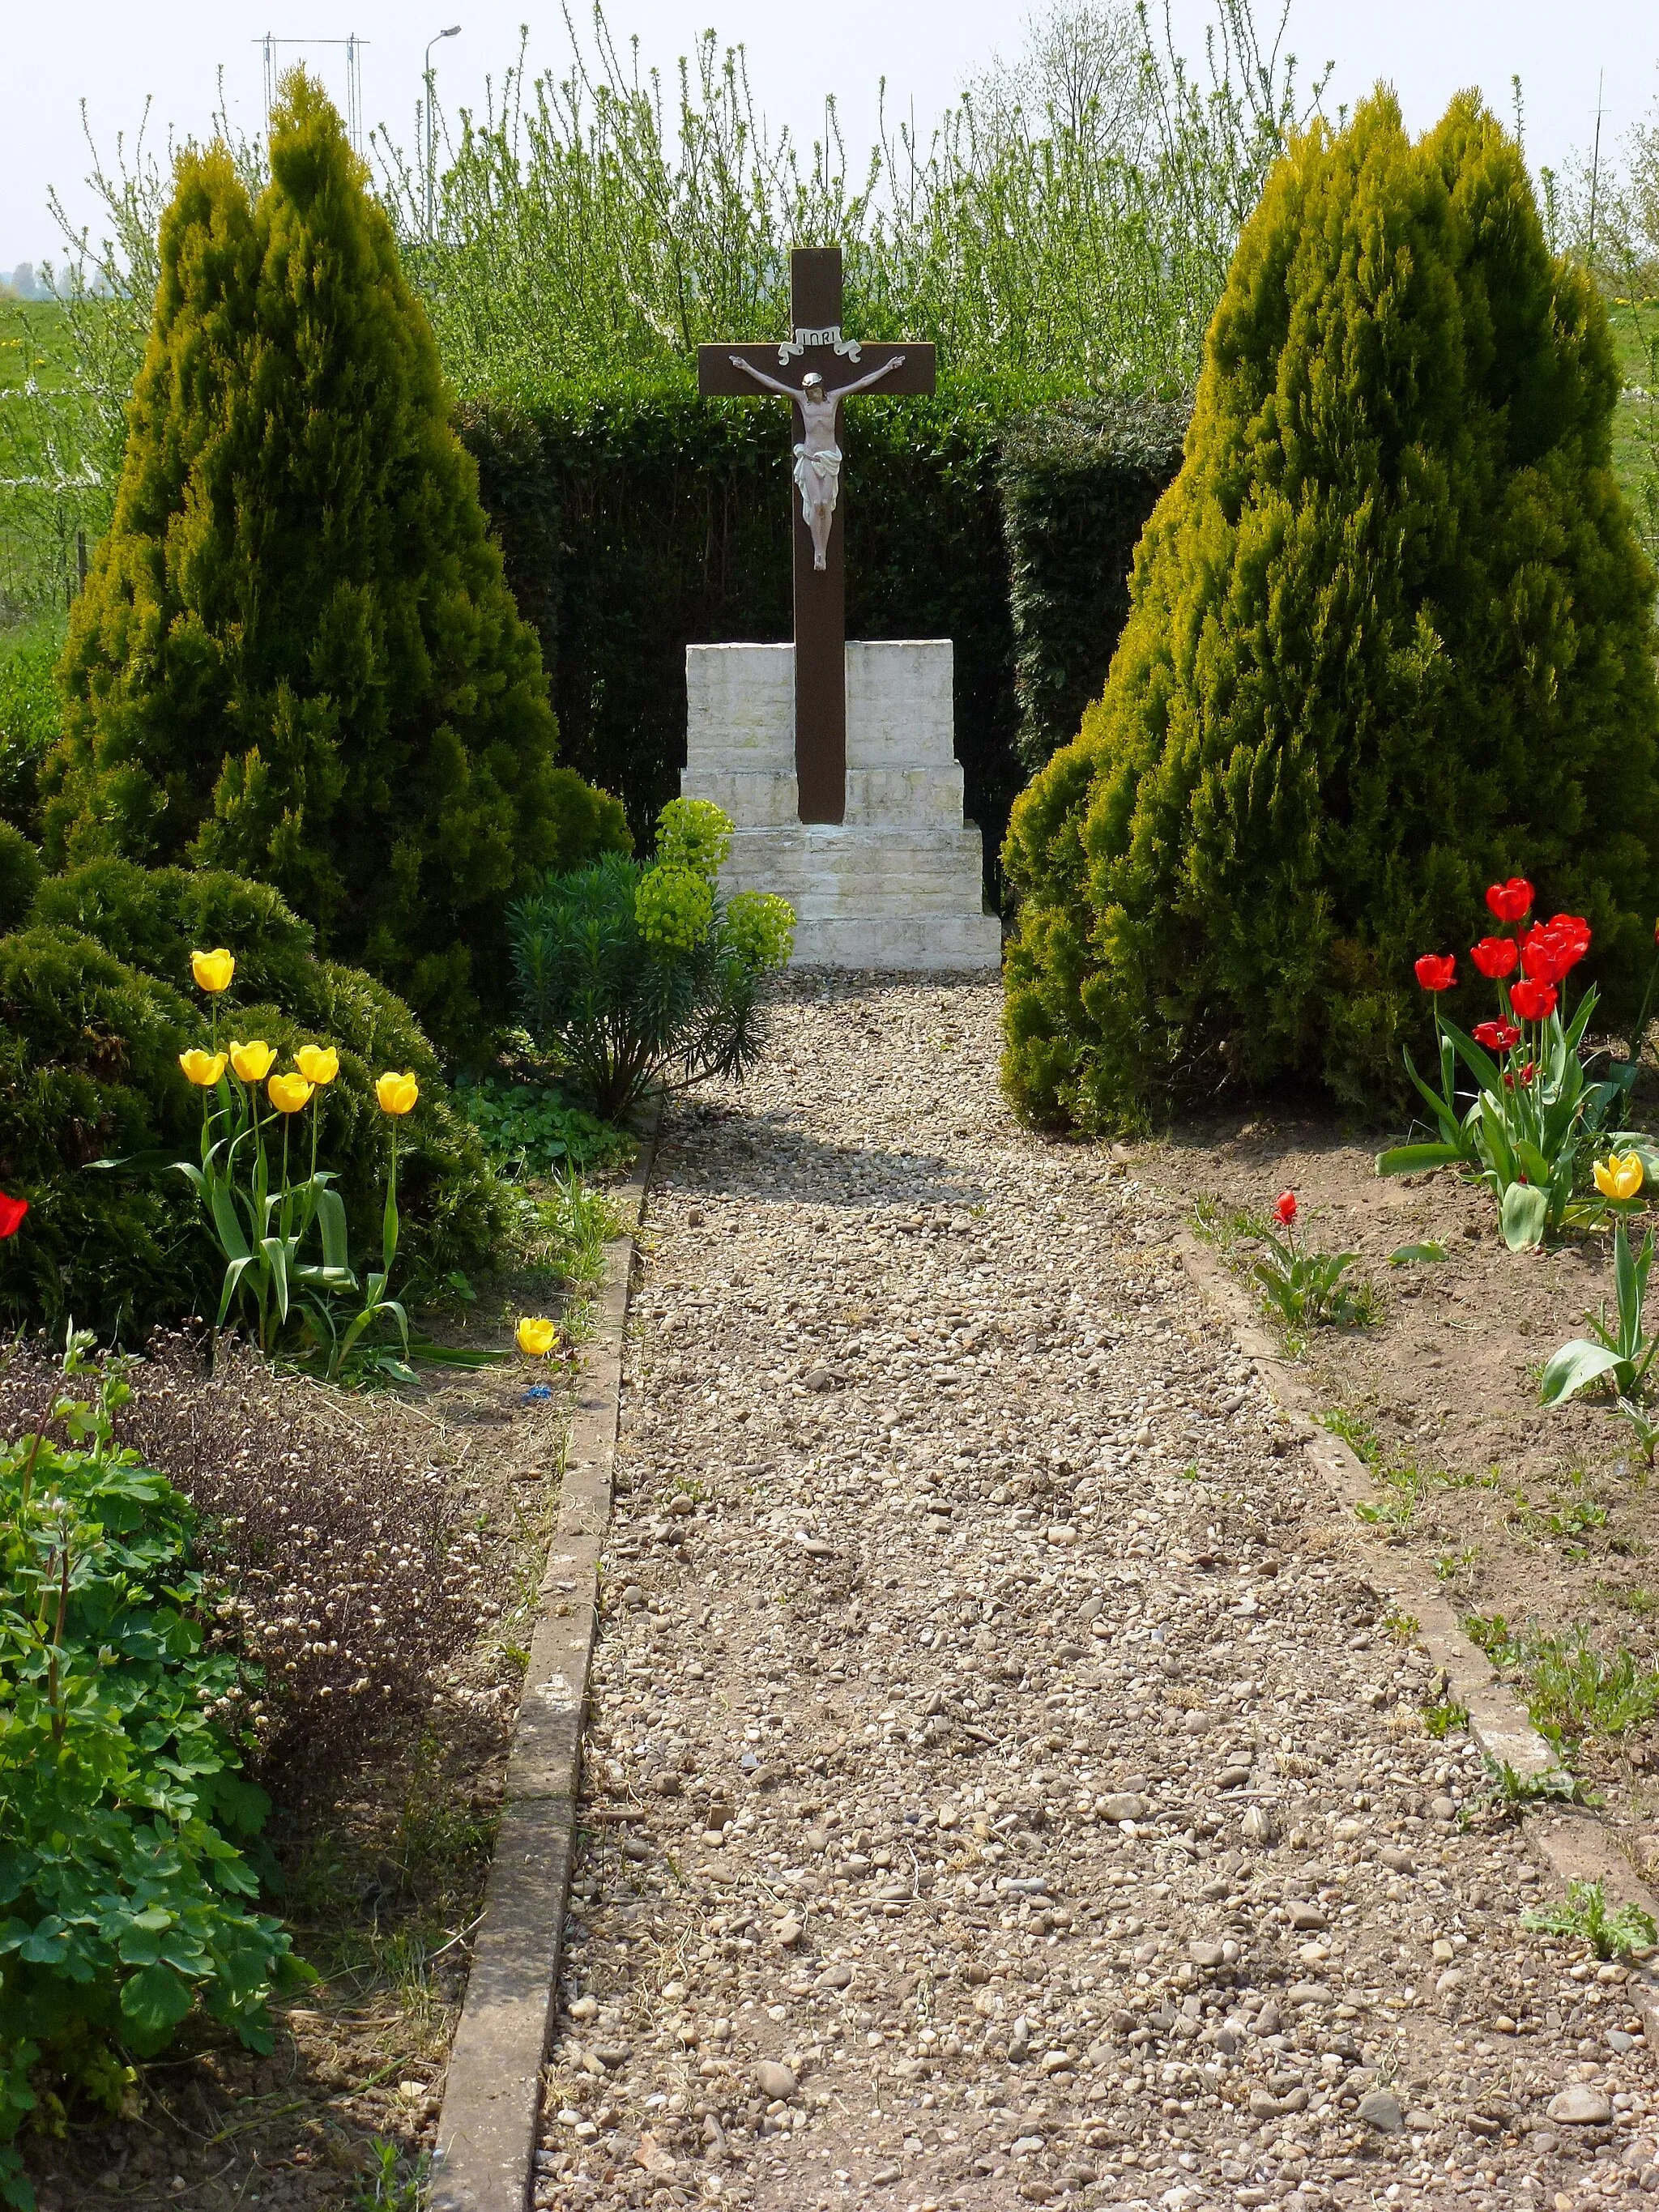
(900, 943)
(758, 801)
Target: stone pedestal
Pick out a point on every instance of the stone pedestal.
(898, 884)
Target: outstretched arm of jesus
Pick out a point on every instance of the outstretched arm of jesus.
(786, 390)
(874, 377)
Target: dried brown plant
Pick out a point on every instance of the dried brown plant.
(349, 1582)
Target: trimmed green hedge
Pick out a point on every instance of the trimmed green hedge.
(1079, 483)
(95, 1005)
(639, 519)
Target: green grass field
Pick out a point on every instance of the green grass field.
(1636, 424)
(34, 349)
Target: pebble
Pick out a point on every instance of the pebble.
(1382, 2109)
(952, 1847)
(1581, 2105)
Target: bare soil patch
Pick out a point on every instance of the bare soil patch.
(1544, 1520)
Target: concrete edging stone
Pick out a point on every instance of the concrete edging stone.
(490, 2118)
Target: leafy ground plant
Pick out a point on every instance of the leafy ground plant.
(1615, 1932)
(1617, 1355)
(1573, 1691)
(1536, 1115)
(126, 1897)
(1307, 1288)
(530, 1128)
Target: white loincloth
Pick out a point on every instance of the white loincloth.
(817, 476)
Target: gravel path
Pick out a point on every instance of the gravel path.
(1003, 1787)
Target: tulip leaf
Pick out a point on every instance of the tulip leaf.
(331, 1222)
(1568, 1371)
(1410, 1159)
(1522, 1215)
(1404, 1256)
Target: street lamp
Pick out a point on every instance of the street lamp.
(453, 32)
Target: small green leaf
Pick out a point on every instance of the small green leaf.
(1405, 1255)
(155, 2001)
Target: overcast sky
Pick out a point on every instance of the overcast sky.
(110, 53)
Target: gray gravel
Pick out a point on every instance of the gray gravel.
(1003, 1785)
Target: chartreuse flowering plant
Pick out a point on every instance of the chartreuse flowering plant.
(632, 976)
(1536, 1117)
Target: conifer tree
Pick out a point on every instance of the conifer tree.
(296, 656)
(1389, 641)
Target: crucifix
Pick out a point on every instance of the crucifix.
(809, 369)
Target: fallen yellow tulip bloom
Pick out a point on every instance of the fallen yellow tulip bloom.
(537, 1335)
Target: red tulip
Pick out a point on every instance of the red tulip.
(12, 1211)
(1572, 933)
(1533, 999)
(1509, 901)
(1494, 956)
(1523, 1078)
(1541, 955)
(1285, 1207)
(1496, 1036)
(1437, 971)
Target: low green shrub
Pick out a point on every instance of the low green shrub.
(125, 1895)
(95, 1008)
(20, 876)
(630, 976)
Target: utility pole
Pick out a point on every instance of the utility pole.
(453, 32)
(1595, 164)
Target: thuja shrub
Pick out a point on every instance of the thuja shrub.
(95, 1008)
(1389, 640)
(296, 656)
(342, 1582)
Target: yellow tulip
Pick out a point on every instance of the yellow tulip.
(396, 1093)
(537, 1336)
(213, 970)
(252, 1060)
(1618, 1175)
(203, 1068)
(289, 1093)
(317, 1063)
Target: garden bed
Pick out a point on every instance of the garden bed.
(1537, 1522)
(380, 1556)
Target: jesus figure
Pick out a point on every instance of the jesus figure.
(817, 456)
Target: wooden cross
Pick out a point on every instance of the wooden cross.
(817, 368)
